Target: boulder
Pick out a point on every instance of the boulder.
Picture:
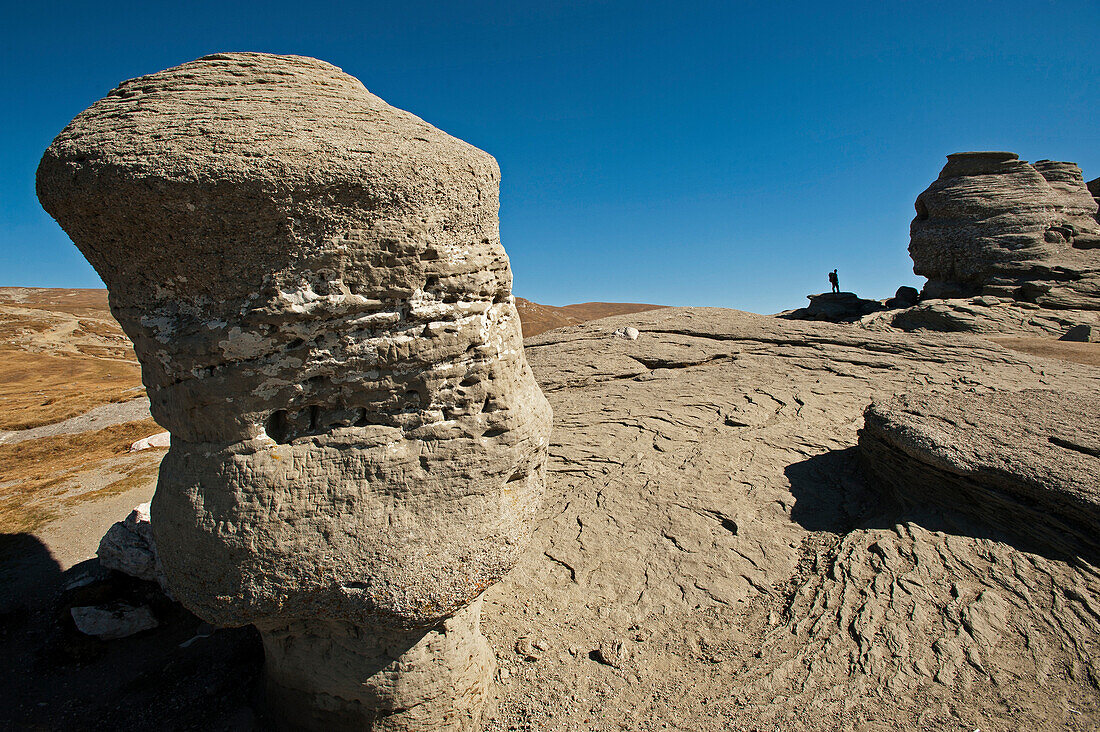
(129, 547)
(835, 307)
(629, 333)
(1025, 463)
(161, 439)
(993, 224)
(315, 286)
(905, 297)
(112, 621)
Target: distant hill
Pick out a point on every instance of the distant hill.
(538, 318)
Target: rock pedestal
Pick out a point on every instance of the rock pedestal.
(316, 289)
(835, 307)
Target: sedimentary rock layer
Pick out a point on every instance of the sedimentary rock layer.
(1026, 463)
(710, 556)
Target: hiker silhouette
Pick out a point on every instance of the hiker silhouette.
(834, 281)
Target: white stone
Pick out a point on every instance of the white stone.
(161, 439)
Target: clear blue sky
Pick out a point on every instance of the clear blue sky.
(725, 153)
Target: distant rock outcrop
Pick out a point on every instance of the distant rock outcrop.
(993, 224)
(1026, 463)
(316, 289)
(835, 307)
(905, 297)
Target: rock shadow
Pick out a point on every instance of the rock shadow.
(833, 492)
(29, 574)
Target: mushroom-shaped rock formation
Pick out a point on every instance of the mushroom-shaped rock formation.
(992, 224)
(315, 286)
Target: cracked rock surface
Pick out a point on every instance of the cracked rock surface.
(315, 286)
(711, 555)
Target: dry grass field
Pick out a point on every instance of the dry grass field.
(61, 354)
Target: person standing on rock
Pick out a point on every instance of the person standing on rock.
(834, 281)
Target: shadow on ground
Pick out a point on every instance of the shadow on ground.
(834, 493)
(181, 675)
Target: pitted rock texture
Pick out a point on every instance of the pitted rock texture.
(711, 556)
(315, 284)
(992, 224)
(1094, 189)
(1025, 462)
(317, 293)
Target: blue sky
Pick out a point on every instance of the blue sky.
(686, 153)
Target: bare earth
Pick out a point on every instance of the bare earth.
(709, 555)
(538, 318)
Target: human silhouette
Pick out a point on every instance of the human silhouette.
(834, 281)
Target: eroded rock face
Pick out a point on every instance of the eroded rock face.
(993, 224)
(1027, 462)
(1094, 188)
(315, 286)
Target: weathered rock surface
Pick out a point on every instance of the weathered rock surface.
(985, 314)
(129, 547)
(316, 289)
(1026, 463)
(835, 307)
(1094, 188)
(992, 224)
(710, 555)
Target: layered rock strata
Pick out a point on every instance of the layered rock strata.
(993, 224)
(316, 289)
(1025, 463)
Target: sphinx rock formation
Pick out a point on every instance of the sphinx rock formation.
(994, 225)
(316, 289)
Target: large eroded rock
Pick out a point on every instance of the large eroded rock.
(993, 224)
(315, 286)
